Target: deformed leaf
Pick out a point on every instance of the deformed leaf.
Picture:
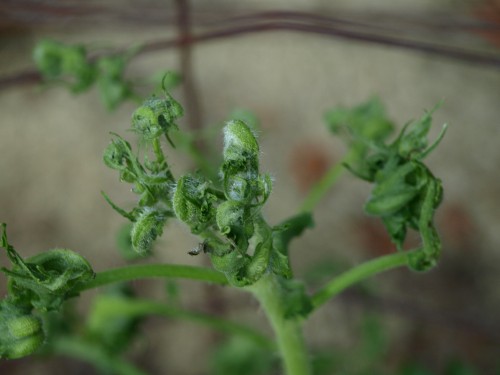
(48, 278)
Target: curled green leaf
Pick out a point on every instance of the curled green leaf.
(68, 63)
(118, 156)
(46, 279)
(235, 222)
(193, 202)
(364, 127)
(146, 229)
(113, 87)
(239, 141)
(406, 193)
(394, 189)
(412, 142)
(231, 264)
(156, 116)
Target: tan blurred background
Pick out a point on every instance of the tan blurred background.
(51, 172)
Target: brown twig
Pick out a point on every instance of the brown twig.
(454, 53)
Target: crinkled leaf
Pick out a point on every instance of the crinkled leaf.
(48, 278)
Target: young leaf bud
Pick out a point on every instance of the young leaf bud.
(146, 229)
(192, 202)
(240, 169)
(239, 141)
(117, 154)
(156, 116)
(145, 122)
(21, 333)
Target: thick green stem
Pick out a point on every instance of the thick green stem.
(288, 332)
(358, 273)
(154, 271)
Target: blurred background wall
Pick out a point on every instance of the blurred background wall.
(288, 71)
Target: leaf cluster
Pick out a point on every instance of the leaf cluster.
(152, 179)
(405, 193)
(71, 66)
(228, 220)
(36, 285)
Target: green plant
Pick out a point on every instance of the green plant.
(246, 251)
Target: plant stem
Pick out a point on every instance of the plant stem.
(154, 271)
(358, 273)
(324, 184)
(288, 332)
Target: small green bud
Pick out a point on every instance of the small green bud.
(192, 202)
(145, 122)
(117, 154)
(21, 333)
(239, 141)
(146, 229)
(23, 326)
(248, 189)
(156, 116)
(240, 169)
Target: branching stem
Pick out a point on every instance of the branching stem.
(288, 332)
(357, 274)
(155, 271)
